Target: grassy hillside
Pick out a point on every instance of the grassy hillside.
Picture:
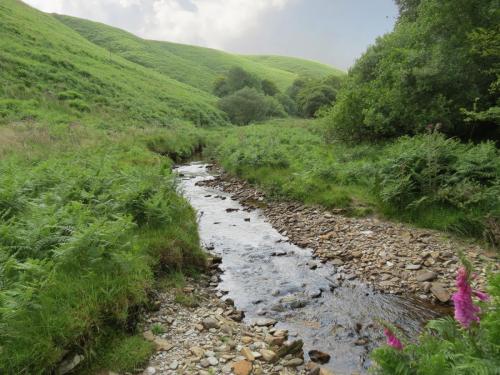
(297, 66)
(50, 72)
(196, 66)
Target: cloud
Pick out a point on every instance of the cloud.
(210, 23)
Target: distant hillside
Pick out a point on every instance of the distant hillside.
(296, 65)
(48, 70)
(56, 67)
(196, 66)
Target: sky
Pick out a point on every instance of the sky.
(334, 32)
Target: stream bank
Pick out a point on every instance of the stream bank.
(393, 258)
(289, 294)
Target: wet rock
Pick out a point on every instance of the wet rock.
(237, 316)
(242, 368)
(426, 276)
(213, 361)
(197, 351)
(210, 323)
(294, 362)
(294, 347)
(361, 341)
(337, 262)
(319, 357)
(268, 355)
(247, 353)
(440, 292)
(315, 293)
(413, 267)
(265, 322)
(162, 344)
(69, 364)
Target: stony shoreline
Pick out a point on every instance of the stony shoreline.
(210, 338)
(393, 258)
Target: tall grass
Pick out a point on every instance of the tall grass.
(85, 223)
(427, 180)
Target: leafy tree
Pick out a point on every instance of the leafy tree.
(288, 104)
(238, 78)
(248, 104)
(439, 66)
(311, 94)
(269, 88)
(221, 87)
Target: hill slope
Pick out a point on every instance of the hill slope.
(196, 66)
(296, 65)
(48, 70)
(58, 68)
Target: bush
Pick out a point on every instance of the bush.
(248, 105)
(429, 170)
(235, 80)
(311, 95)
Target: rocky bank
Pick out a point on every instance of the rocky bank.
(393, 258)
(210, 338)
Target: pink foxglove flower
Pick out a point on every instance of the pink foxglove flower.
(465, 310)
(392, 340)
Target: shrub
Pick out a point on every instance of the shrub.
(431, 169)
(248, 105)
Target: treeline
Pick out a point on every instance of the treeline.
(439, 69)
(245, 98)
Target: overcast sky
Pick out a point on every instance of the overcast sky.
(335, 32)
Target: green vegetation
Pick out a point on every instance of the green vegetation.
(248, 105)
(92, 119)
(88, 216)
(119, 353)
(195, 66)
(51, 73)
(301, 67)
(439, 68)
(291, 160)
(314, 96)
(446, 348)
(428, 180)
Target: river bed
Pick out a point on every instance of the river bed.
(266, 276)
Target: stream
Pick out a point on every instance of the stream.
(266, 276)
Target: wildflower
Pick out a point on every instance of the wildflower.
(392, 340)
(465, 310)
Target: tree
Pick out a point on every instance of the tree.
(425, 72)
(311, 94)
(248, 105)
(221, 87)
(269, 88)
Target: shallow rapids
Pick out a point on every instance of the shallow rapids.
(266, 276)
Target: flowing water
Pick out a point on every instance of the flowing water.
(266, 276)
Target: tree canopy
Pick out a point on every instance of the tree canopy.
(439, 68)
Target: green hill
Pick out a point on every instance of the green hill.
(58, 68)
(50, 72)
(196, 66)
(296, 65)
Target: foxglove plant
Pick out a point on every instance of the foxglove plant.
(466, 312)
(392, 340)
